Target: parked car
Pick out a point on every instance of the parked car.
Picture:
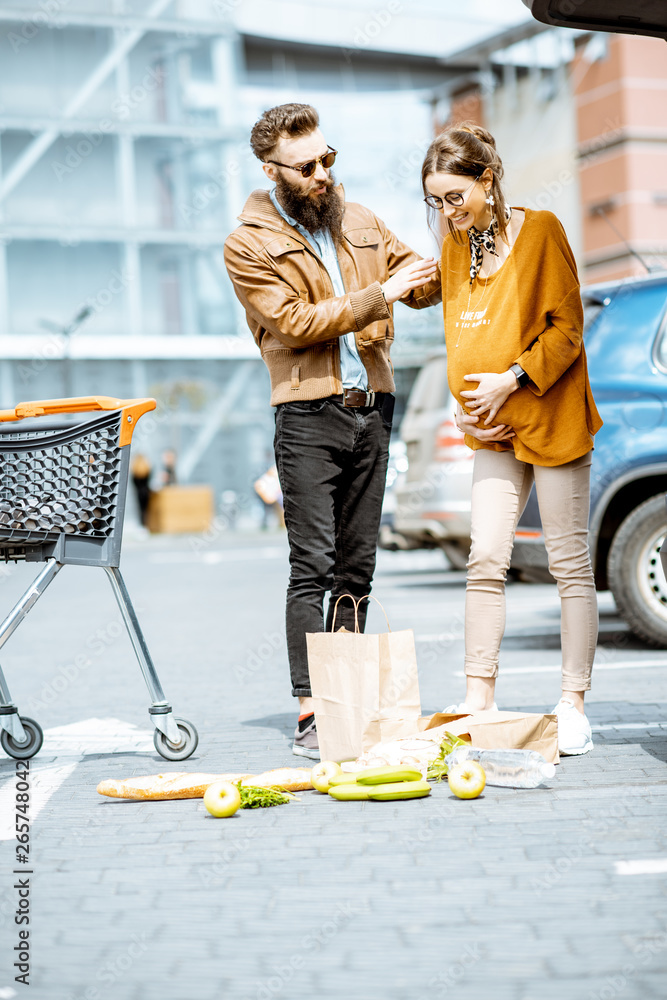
(626, 344)
(388, 537)
(433, 497)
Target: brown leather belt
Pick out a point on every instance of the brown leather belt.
(357, 397)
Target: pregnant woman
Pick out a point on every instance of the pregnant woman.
(517, 367)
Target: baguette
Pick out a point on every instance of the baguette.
(185, 785)
(291, 779)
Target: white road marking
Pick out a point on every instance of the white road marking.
(526, 633)
(70, 745)
(650, 866)
(440, 637)
(629, 725)
(629, 664)
(554, 668)
(215, 556)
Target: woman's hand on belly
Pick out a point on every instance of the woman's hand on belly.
(490, 394)
(468, 424)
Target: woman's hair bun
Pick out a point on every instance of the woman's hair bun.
(476, 130)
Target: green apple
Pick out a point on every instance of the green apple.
(322, 774)
(467, 779)
(222, 799)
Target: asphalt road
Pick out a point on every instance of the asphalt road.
(557, 892)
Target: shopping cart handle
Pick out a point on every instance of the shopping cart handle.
(132, 409)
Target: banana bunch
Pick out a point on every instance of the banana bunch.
(379, 784)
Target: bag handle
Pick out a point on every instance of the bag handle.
(366, 597)
(356, 614)
(369, 597)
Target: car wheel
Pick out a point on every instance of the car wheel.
(636, 577)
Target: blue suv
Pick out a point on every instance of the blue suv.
(626, 344)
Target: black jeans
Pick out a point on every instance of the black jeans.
(332, 463)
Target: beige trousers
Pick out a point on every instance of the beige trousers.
(500, 491)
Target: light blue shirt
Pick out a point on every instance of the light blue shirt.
(353, 373)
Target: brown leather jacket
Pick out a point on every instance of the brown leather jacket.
(292, 312)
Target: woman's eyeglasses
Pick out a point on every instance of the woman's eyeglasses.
(309, 168)
(454, 198)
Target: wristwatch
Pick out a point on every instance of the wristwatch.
(522, 377)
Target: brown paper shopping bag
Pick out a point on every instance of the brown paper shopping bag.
(502, 730)
(365, 687)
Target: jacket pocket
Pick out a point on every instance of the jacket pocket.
(283, 245)
(369, 237)
(308, 371)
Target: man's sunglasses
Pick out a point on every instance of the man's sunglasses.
(454, 198)
(309, 168)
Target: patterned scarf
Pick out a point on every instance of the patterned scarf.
(485, 240)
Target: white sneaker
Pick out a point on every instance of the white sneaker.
(463, 709)
(574, 729)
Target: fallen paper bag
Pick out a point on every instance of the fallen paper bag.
(365, 688)
(501, 730)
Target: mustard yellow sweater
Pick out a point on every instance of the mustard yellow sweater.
(528, 312)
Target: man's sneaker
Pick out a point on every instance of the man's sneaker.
(463, 709)
(574, 730)
(305, 743)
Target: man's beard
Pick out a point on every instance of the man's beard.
(313, 211)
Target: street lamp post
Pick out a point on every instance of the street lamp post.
(66, 332)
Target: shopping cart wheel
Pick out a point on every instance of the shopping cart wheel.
(187, 746)
(21, 751)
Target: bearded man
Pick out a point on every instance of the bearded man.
(317, 277)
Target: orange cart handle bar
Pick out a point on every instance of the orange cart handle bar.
(132, 409)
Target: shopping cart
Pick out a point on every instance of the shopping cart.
(62, 500)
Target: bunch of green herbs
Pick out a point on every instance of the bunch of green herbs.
(437, 769)
(253, 797)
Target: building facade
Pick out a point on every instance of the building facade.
(124, 161)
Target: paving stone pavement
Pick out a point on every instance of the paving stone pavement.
(517, 895)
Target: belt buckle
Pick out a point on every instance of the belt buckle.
(368, 397)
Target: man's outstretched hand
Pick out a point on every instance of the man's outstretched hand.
(412, 276)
